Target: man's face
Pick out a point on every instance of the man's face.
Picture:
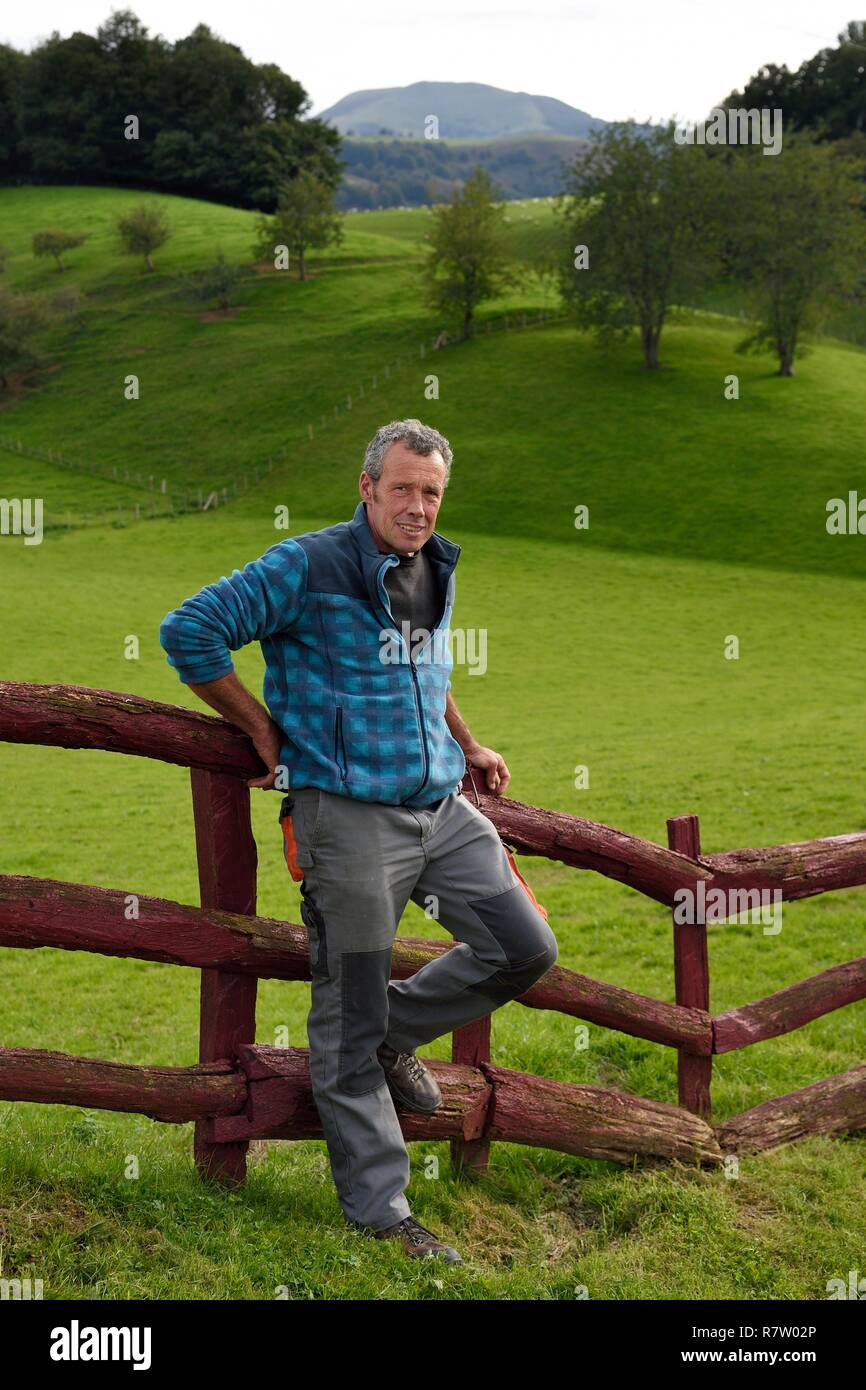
(402, 510)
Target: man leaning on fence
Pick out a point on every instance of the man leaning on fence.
(362, 732)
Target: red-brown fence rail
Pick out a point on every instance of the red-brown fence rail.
(241, 1091)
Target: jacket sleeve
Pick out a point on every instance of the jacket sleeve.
(266, 596)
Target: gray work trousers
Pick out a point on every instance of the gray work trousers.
(362, 861)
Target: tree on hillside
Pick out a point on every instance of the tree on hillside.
(11, 64)
(143, 230)
(467, 259)
(645, 211)
(305, 216)
(53, 241)
(211, 123)
(215, 283)
(236, 130)
(798, 238)
(826, 94)
(23, 318)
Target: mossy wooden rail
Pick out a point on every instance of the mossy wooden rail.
(241, 1091)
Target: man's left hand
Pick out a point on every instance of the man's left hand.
(494, 767)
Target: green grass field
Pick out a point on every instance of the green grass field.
(605, 648)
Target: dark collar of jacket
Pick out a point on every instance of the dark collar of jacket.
(443, 554)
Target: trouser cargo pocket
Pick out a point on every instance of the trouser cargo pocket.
(364, 1011)
(313, 920)
(298, 857)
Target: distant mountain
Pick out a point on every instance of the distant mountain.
(465, 110)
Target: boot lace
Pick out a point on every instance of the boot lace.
(416, 1233)
(415, 1067)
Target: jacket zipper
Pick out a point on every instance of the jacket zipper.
(438, 625)
(339, 746)
(419, 706)
(383, 595)
(423, 735)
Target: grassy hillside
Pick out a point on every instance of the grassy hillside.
(605, 648)
(540, 422)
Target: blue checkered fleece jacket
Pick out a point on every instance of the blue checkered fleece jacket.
(352, 724)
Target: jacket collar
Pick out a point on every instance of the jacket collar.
(437, 547)
(443, 553)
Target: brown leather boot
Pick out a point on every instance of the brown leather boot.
(409, 1081)
(417, 1240)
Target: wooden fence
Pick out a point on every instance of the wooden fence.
(241, 1091)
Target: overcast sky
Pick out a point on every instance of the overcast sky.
(615, 58)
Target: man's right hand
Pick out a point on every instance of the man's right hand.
(230, 698)
(267, 742)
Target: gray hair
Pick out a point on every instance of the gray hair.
(421, 439)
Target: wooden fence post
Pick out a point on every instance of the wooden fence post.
(227, 863)
(469, 1046)
(691, 977)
